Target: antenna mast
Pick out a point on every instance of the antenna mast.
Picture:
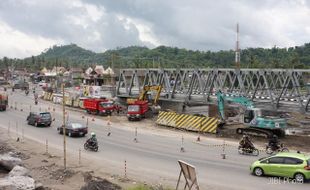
(237, 51)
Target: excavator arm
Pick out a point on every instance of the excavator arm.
(257, 125)
(156, 88)
(221, 98)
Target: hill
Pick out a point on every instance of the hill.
(168, 57)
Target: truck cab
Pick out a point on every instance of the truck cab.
(136, 110)
(106, 107)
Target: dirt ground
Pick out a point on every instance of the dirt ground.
(48, 169)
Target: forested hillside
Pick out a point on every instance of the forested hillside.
(167, 57)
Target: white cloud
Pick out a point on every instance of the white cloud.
(145, 32)
(195, 24)
(19, 45)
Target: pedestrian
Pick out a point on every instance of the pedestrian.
(117, 111)
(183, 107)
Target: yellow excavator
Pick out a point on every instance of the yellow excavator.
(139, 108)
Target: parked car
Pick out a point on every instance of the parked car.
(39, 119)
(73, 129)
(284, 164)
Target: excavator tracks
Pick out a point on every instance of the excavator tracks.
(253, 131)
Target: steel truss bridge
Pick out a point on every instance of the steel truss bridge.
(277, 88)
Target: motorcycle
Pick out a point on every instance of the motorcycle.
(275, 149)
(248, 151)
(36, 101)
(27, 92)
(89, 146)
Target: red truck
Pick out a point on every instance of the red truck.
(137, 109)
(3, 102)
(99, 106)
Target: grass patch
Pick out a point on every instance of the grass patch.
(145, 187)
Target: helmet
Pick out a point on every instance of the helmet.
(274, 136)
(93, 134)
(244, 136)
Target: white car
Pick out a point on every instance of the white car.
(42, 84)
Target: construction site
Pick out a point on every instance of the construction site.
(158, 102)
(208, 108)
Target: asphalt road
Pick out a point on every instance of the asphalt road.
(154, 158)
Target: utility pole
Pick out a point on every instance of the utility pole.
(64, 123)
(112, 67)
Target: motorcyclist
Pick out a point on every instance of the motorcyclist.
(274, 142)
(246, 143)
(92, 141)
(36, 99)
(26, 91)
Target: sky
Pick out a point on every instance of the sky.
(28, 27)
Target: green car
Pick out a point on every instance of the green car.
(284, 164)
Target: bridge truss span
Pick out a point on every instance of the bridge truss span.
(275, 87)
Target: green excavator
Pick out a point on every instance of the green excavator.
(256, 120)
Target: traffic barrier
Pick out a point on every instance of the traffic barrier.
(198, 138)
(125, 174)
(188, 122)
(229, 146)
(79, 157)
(45, 95)
(76, 103)
(223, 153)
(136, 136)
(182, 145)
(46, 146)
(109, 126)
(9, 128)
(50, 98)
(23, 135)
(109, 121)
